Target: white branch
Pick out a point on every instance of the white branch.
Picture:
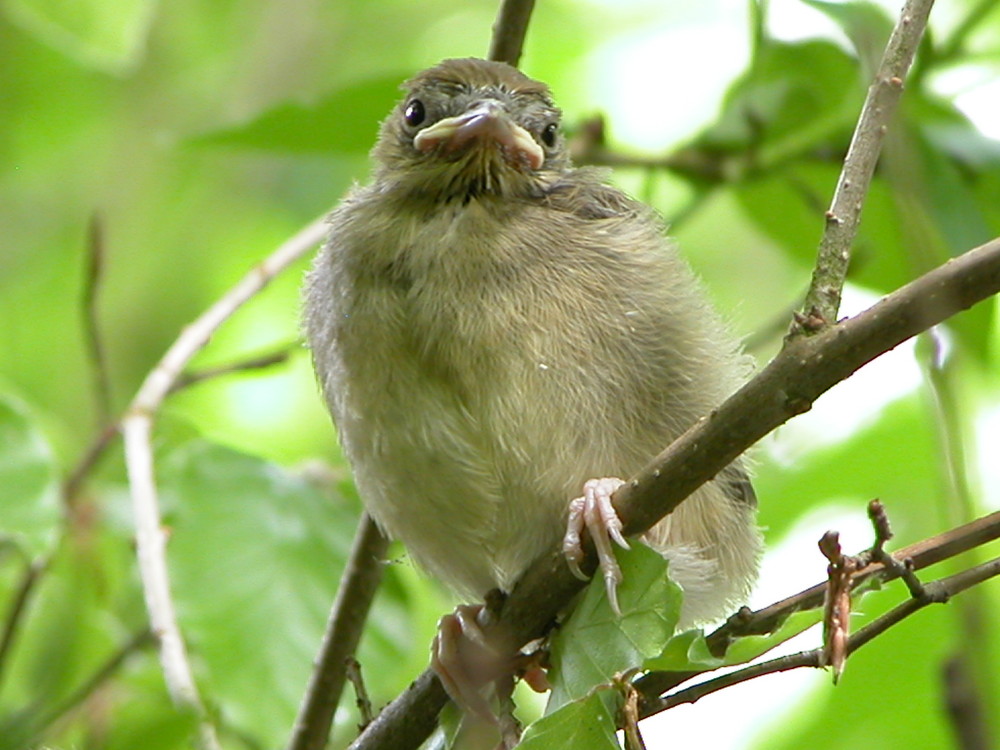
(137, 429)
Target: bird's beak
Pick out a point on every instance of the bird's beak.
(485, 121)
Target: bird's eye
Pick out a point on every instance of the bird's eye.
(414, 113)
(549, 134)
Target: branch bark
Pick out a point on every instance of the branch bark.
(357, 588)
(938, 591)
(509, 31)
(769, 619)
(823, 298)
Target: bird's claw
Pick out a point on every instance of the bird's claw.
(462, 658)
(594, 511)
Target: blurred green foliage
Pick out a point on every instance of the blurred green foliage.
(197, 135)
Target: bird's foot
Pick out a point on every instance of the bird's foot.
(594, 511)
(472, 672)
(464, 661)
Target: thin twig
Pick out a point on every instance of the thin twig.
(823, 299)
(361, 699)
(942, 590)
(18, 608)
(343, 631)
(509, 31)
(769, 619)
(93, 454)
(92, 330)
(262, 362)
(137, 427)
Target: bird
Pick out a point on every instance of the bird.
(500, 337)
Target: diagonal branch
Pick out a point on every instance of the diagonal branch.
(823, 299)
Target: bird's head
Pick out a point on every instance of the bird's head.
(469, 128)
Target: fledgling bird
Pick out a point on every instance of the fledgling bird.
(493, 327)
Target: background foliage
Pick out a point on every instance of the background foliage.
(196, 135)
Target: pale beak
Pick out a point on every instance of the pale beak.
(486, 121)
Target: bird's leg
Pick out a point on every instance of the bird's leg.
(594, 511)
(463, 660)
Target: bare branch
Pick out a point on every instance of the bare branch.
(357, 588)
(833, 258)
(769, 619)
(262, 362)
(942, 589)
(509, 31)
(137, 427)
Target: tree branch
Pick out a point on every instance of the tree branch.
(509, 31)
(939, 591)
(277, 357)
(357, 588)
(137, 427)
(834, 255)
(769, 619)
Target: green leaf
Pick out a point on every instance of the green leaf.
(29, 483)
(345, 122)
(70, 630)
(108, 35)
(793, 98)
(595, 644)
(685, 652)
(584, 724)
(750, 647)
(255, 554)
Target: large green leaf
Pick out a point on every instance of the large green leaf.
(255, 553)
(108, 35)
(866, 24)
(793, 98)
(595, 644)
(69, 631)
(344, 122)
(30, 510)
(584, 724)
